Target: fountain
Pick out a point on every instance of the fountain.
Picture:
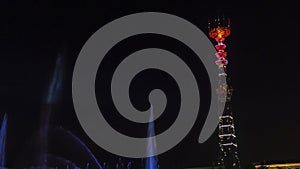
(53, 146)
(2, 141)
(52, 99)
(64, 148)
(151, 161)
(92, 161)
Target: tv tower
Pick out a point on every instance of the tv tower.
(219, 29)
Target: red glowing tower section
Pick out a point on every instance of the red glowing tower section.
(219, 29)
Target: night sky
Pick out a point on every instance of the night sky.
(263, 65)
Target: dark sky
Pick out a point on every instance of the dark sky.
(263, 58)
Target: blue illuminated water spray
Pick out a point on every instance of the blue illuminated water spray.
(3, 140)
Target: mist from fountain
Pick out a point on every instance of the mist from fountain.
(3, 140)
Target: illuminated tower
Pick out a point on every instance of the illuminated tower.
(219, 29)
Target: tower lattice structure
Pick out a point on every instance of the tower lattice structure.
(219, 29)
